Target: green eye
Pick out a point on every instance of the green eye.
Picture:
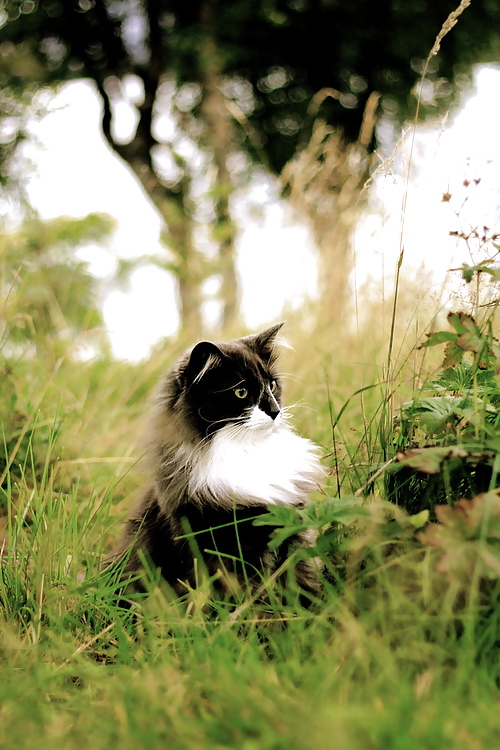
(241, 392)
(273, 385)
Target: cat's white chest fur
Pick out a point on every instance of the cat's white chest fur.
(260, 462)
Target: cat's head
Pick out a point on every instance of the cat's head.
(235, 382)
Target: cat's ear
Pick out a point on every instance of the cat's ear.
(204, 357)
(264, 342)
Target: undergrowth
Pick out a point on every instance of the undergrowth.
(400, 647)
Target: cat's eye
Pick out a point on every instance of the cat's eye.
(241, 392)
(273, 385)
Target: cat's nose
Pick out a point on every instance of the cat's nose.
(271, 406)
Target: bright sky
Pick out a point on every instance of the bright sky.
(466, 147)
(77, 173)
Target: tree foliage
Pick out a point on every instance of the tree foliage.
(235, 77)
(282, 53)
(47, 294)
(277, 54)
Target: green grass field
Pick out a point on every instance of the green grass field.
(400, 650)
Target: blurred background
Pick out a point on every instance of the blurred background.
(192, 169)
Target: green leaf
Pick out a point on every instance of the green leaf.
(419, 519)
(467, 272)
(437, 411)
(429, 460)
(453, 354)
(482, 267)
(471, 340)
(467, 536)
(493, 272)
(319, 516)
(455, 320)
(440, 337)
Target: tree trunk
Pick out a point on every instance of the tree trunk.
(188, 262)
(219, 136)
(325, 182)
(171, 204)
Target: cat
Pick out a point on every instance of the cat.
(221, 453)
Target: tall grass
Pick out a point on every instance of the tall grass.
(397, 650)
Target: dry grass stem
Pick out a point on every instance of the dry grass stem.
(446, 27)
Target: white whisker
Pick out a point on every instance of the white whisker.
(292, 378)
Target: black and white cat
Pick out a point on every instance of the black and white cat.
(221, 453)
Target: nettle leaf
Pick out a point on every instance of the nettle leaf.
(482, 267)
(467, 272)
(468, 338)
(322, 516)
(440, 337)
(453, 355)
(471, 340)
(429, 460)
(456, 320)
(436, 411)
(314, 515)
(468, 535)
